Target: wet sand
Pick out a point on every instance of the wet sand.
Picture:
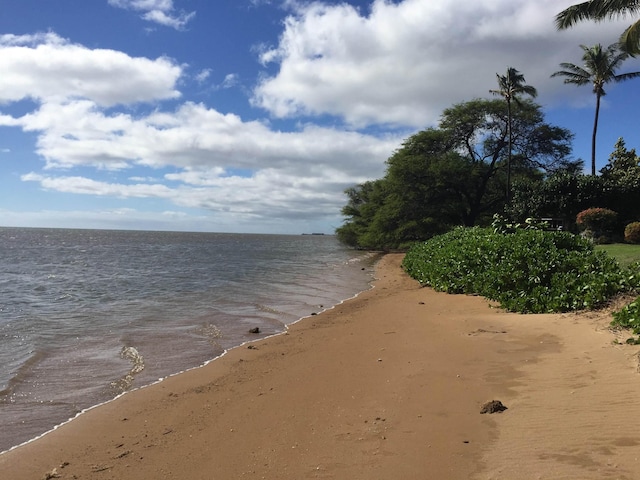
(388, 385)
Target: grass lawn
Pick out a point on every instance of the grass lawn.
(625, 253)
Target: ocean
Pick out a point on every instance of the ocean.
(86, 315)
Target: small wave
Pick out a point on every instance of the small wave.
(266, 309)
(21, 374)
(137, 365)
(132, 354)
(211, 332)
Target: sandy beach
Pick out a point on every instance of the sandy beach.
(388, 385)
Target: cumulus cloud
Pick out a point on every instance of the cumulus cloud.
(157, 11)
(78, 133)
(217, 162)
(403, 62)
(46, 67)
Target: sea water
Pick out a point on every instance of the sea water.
(86, 315)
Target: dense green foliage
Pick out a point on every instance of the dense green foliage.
(621, 183)
(528, 271)
(566, 192)
(628, 317)
(452, 175)
(457, 174)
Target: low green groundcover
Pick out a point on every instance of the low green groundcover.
(526, 271)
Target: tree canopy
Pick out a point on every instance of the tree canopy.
(566, 192)
(452, 175)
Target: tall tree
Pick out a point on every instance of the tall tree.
(622, 181)
(451, 175)
(598, 10)
(599, 68)
(510, 87)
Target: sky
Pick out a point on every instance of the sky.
(254, 116)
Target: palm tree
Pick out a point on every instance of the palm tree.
(599, 68)
(510, 86)
(605, 9)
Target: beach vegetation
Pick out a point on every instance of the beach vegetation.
(566, 192)
(628, 317)
(527, 270)
(454, 174)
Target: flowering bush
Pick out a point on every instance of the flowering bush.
(597, 219)
(632, 233)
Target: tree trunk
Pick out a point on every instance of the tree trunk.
(509, 152)
(593, 137)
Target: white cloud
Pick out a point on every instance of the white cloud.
(87, 186)
(403, 63)
(118, 218)
(296, 175)
(203, 75)
(48, 68)
(78, 133)
(230, 80)
(157, 11)
(35, 39)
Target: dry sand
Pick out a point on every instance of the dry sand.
(385, 386)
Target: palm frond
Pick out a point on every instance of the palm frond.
(576, 13)
(573, 77)
(529, 90)
(626, 76)
(596, 10)
(612, 9)
(576, 69)
(630, 39)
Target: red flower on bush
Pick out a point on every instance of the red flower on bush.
(597, 219)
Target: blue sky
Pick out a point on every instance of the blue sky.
(255, 115)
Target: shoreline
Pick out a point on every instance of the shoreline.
(373, 258)
(66, 355)
(387, 384)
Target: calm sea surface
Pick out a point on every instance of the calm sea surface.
(86, 315)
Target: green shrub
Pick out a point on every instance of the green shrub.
(628, 317)
(632, 233)
(597, 219)
(528, 271)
